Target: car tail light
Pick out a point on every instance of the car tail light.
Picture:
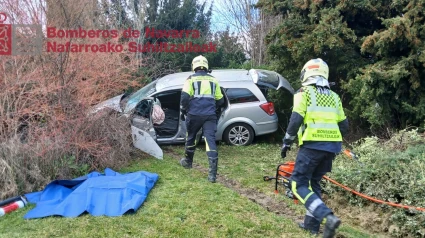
(268, 108)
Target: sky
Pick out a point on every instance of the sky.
(217, 24)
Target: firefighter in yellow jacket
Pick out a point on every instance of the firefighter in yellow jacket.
(320, 123)
(200, 98)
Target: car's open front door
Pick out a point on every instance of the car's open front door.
(142, 131)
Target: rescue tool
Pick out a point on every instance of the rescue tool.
(283, 177)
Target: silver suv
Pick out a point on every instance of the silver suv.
(246, 113)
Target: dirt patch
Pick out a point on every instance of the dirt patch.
(267, 202)
(369, 217)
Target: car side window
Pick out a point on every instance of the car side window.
(240, 95)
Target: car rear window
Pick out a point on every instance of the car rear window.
(240, 95)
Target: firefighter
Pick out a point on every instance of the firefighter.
(320, 123)
(200, 98)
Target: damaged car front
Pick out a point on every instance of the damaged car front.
(137, 107)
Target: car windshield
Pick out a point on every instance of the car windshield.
(136, 97)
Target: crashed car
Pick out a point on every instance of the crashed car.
(246, 112)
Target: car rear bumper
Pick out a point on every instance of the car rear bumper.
(266, 127)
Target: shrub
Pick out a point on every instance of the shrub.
(44, 131)
(73, 149)
(392, 170)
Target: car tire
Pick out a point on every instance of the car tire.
(239, 134)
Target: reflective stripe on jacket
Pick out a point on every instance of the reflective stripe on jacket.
(321, 109)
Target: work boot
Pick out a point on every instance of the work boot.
(212, 171)
(332, 223)
(310, 224)
(187, 161)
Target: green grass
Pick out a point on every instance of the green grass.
(248, 165)
(182, 204)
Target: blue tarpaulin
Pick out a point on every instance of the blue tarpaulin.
(109, 194)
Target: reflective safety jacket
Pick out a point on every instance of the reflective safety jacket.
(322, 110)
(200, 94)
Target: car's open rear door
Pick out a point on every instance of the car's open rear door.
(270, 79)
(142, 131)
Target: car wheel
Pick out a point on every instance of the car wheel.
(239, 134)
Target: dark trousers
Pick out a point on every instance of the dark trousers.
(310, 166)
(208, 124)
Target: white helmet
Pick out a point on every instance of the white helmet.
(199, 62)
(314, 67)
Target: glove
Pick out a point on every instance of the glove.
(285, 148)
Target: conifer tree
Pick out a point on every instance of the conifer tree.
(375, 50)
